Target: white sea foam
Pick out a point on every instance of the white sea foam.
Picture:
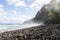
(4, 28)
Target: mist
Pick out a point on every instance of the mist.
(4, 28)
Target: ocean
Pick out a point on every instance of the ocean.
(10, 27)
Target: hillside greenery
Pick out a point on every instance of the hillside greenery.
(53, 16)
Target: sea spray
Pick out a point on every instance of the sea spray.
(5, 28)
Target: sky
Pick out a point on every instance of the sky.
(18, 11)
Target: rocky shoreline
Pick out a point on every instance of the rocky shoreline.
(43, 32)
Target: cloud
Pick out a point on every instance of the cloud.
(5, 18)
(34, 5)
(11, 1)
(3, 13)
(17, 3)
(28, 0)
(14, 12)
(1, 6)
(20, 4)
(19, 19)
(39, 3)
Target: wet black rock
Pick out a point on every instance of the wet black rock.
(43, 32)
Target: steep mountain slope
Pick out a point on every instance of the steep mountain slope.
(41, 14)
(49, 13)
